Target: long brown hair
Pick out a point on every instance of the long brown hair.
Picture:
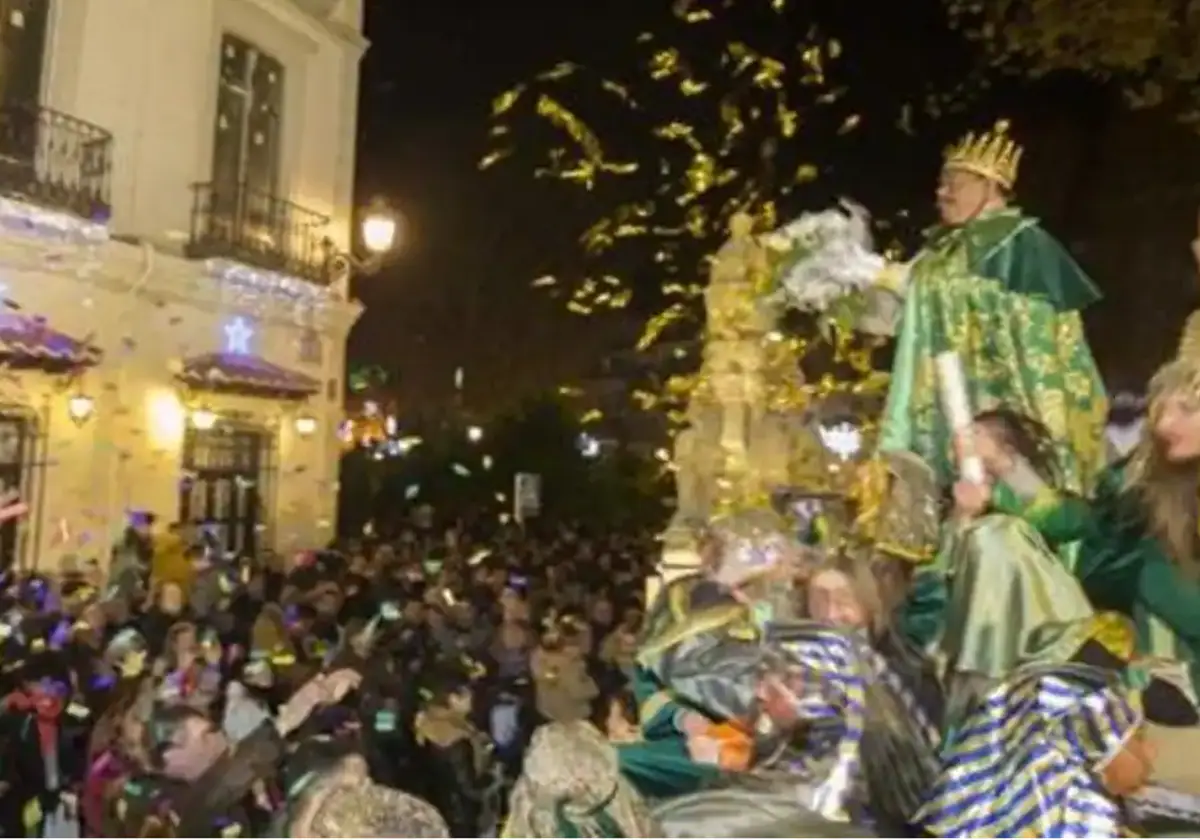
(1167, 495)
(864, 580)
(106, 734)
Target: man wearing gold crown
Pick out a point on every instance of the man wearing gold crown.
(993, 286)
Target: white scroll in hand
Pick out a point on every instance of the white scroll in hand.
(956, 402)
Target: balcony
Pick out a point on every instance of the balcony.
(259, 229)
(55, 161)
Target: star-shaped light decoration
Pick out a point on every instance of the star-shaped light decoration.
(237, 337)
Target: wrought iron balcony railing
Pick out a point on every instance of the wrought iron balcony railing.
(55, 160)
(259, 229)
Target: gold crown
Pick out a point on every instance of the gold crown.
(993, 154)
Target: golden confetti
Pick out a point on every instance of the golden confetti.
(691, 137)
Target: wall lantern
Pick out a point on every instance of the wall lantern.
(379, 228)
(80, 408)
(203, 419)
(306, 425)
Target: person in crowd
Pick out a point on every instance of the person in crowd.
(572, 786)
(198, 783)
(343, 801)
(459, 764)
(564, 688)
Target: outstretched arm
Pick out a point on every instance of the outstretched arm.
(1058, 517)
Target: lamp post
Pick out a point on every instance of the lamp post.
(378, 230)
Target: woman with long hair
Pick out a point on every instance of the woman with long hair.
(1139, 543)
(114, 754)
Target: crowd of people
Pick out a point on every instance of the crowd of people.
(989, 632)
(422, 663)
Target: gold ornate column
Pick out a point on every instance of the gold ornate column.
(715, 458)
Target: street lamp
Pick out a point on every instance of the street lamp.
(474, 434)
(379, 228)
(80, 408)
(203, 419)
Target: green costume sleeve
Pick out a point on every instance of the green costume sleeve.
(1059, 518)
(1113, 548)
(663, 768)
(920, 620)
(658, 715)
(657, 709)
(1029, 261)
(1169, 595)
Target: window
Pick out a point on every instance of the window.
(311, 347)
(248, 132)
(22, 48)
(223, 492)
(21, 449)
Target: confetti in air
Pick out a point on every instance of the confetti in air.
(722, 112)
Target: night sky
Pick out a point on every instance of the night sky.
(459, 294)
(460, 291)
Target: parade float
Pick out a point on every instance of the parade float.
(726, 653)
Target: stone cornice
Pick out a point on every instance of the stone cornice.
(120, 267)
(306, 11)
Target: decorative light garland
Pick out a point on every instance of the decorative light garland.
(261, 280)
(22, 217)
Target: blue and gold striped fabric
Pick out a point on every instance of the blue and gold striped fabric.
(1025, 763)
(835, 690)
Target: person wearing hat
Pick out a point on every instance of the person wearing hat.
(572, 786)
(993, 286)
(197, 782)
(341, 800)
(1051, 752)
(1139, 549)
(750, 559)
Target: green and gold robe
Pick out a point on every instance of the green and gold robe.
(659, 764)
(1122, 567)
(1004, 295)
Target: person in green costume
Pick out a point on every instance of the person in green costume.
(970, 598)
(993, 286)
(688, 678)
(1139, 547)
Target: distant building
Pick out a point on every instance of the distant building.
(174, 177)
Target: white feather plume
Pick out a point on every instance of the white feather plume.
(825, 256)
